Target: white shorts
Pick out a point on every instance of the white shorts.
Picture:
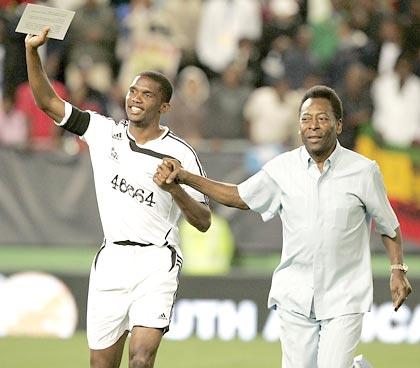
(130, 286)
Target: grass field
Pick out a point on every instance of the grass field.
(78, 260)
(193, 353)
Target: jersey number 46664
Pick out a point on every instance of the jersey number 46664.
(138, 194)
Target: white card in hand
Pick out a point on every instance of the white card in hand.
(36, 17)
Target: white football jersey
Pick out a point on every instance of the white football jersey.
(131, 206)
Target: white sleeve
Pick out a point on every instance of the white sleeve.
(99, 130)
(377, 204)
(89, 125)
(193, 165)
(262, 194)
(67, 112)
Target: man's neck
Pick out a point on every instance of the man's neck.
(146, 133)
(320, 159)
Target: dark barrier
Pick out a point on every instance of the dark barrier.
(48, 198)
(235, 307)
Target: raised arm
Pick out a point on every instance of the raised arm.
(224, 193)
(45, 96)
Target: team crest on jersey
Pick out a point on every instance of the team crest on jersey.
(117, 136)
(114, 154)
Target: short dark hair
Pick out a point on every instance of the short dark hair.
(164, 83)
(327, 93)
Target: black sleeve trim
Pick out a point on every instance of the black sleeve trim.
(78, 121)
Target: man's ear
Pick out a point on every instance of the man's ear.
(339, 126)
(165, 107)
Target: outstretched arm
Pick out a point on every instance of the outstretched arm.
(196, 213)
(45, 96)
(400, 287)
(223, 193)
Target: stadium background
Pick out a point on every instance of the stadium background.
(49, 227)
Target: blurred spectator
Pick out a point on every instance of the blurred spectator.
(412, 27)
(145, 42)
(366, 16)
(412, 33)
(396, 96)
(391, 37)
(43, 134)
(116, 103)
(357, 103)
(13, 124)
(272, 65)
(208, 253)
(8, 4)
(228, 35)
(72, 4)
(324, 17)
(282, 19)
(299, 60)
(351, 43)
(138, 14)
(182, 18)
(83, 95)
(223, 23)
(189, 111)
(247, 58)
(292, 58)
(227, 99)
(86, 97)
(92, 38)
(270, 114)
(14, 71)
(382, 49)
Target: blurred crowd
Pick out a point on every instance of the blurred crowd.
(239, 67)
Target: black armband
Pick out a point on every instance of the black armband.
(78, 121)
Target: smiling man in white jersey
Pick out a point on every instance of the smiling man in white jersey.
(134, 276)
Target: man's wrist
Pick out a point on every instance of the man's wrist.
(399, 267)
(31, 49)
(182, 177)
(174, 189)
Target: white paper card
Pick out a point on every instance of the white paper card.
(36, 17)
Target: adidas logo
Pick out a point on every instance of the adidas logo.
(117, 136)
(162, 316)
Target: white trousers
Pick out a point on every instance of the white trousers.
(310, 343)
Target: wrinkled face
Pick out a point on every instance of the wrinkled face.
(318, 126)
(143, 102)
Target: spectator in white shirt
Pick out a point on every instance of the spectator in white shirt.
(396, 96)
(223, 23)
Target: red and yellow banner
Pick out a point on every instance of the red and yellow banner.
(401, 171)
